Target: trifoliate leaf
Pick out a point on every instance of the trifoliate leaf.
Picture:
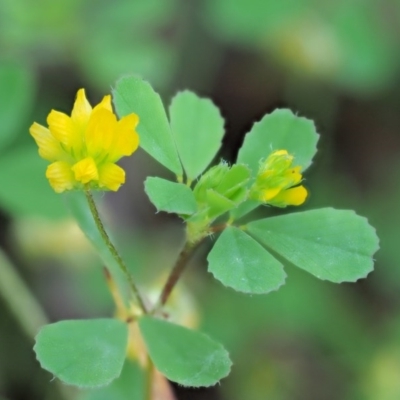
(333, 245)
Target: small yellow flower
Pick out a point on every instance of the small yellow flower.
(84, 147)
(277, 182)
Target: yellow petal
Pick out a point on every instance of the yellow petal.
(269, 194)
(296, 175)
(100, 133)
(81, 112)
(62, 128)
(105, 104)
(290, 197)
(111, 176)
(60, 176)
(49, 147)
(278, 162)
(293, 176)
(266, 174)
(126, 139)
(86, 170)
(279, 153)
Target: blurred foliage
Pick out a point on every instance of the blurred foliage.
(104, 40)
(309, 340)
(348, 43)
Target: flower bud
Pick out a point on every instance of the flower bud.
(277, 182)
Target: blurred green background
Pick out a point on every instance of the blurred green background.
(336, 62)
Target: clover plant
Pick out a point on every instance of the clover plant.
(214, 199)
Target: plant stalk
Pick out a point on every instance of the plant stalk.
(176, 272)
(113, 250)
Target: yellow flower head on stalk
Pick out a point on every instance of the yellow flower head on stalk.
(84, 147)
(277, 182)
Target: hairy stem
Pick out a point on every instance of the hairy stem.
(176, 272)
(113, 250)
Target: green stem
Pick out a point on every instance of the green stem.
(113, 250)
(176, 272)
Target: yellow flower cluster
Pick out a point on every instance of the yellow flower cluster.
(84, 147)
(277, 182)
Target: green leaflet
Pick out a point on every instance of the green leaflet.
(244, 208)
(170, 196)
(222, 188)
(187, 357)
(333, 245)
(241, 263)
(280, 130)
(134, 95)
(85, 353)
(198, 129)
(129, 385)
